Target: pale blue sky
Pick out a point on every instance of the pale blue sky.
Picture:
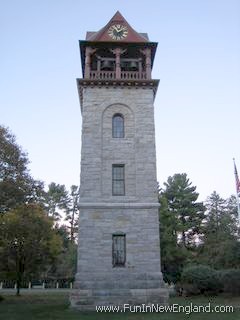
(197, 109)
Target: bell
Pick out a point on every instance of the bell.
(133, 66)
(123, 64)
(106, 65)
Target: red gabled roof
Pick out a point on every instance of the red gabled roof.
(102, 35)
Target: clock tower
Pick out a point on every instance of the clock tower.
(118, 249)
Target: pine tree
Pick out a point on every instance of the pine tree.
(220, 247)
(182, 204)
(180, 224)
(72, 212)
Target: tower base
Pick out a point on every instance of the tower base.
(144, 290)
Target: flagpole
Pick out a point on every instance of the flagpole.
(237, 190)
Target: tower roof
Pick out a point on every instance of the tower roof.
(102, 35)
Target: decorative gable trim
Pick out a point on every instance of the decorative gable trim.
(102, 35)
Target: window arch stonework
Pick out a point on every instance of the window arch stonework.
(118, 151)
(127, 115)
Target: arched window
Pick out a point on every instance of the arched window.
(118, 126)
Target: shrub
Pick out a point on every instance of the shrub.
(230, 280)
(1, 298)
(200, 280)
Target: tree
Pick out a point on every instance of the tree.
(13, 161)
(172, 257)
(180, 224)
(16, 184)
(72, 212)
(56, 199)
(66, 264)
(182, 203)
(220, 247)
(28, 242)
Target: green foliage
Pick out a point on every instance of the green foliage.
(205, 280)
(13, 161)
(55, 200)
(16, 184)
(172, 257)
(28, 242)
(230, 280)
(65, 266)
(62, 231)
(220, 247)
(58, 200)
(17, 191)
(200, 280)
(193, 233)
(182, 203)
(72, 212)
(180, 225)
(1, 298)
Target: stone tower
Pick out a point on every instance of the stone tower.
(118, 250)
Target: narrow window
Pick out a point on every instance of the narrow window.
(118, 180)
(118, 126)
(118, 250)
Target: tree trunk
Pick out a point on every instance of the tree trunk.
(20, 270)
(72, 228)
(184, 239)
(19, 282)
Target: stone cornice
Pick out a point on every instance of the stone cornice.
(135, 84)
(105, 205)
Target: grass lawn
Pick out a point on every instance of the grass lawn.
(55, 305)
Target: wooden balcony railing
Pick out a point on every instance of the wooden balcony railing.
(111, 75)
(133, 75)
(102, 75)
